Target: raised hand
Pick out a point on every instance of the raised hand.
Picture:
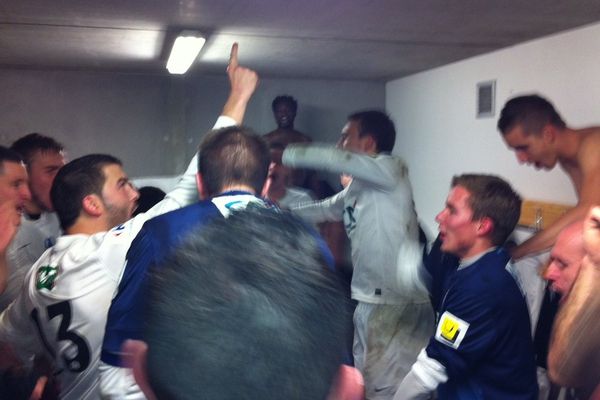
(10, 219)
(243, 82)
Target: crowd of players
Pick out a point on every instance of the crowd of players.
(219, 292)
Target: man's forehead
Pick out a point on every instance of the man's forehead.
(113, 171)
(349, 126)
(44, 155)
(12, 168)
(458, 193)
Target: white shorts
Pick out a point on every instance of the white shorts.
(387, 341)
(118, 384)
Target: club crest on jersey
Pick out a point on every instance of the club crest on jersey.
(118, 230)
(349, 220)
(45, 277)
(451, 330)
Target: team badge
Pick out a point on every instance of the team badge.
(451, 330)
(46, 275)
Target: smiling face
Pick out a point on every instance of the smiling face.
(532, 149)
(284, 115)
(458, 230)
(118, 195)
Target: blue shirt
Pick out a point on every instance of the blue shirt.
(483, 336)
(157, 239)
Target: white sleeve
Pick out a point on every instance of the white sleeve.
(360, 166)
(186, 191)
(424, 377)
(329, 209)
(17, 330)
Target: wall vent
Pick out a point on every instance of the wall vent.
(486, 99)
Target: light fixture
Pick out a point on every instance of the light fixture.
(184, 51)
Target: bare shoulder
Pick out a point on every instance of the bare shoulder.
(590, 143)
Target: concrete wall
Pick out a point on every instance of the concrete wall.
(438, 132)
(153, 123)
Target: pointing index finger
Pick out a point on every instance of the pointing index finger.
(233, 57)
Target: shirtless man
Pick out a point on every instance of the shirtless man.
(535, 131)
(284, 110)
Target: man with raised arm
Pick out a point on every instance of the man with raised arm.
(482, 347)
(536, 132)
(393, 318)
(63, 306)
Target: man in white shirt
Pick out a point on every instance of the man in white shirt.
(393, 318)
(39, 229)
(63, 306)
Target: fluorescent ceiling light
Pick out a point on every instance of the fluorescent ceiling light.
(184, 52)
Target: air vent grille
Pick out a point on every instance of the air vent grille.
(486, 93)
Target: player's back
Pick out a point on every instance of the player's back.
(64, 305)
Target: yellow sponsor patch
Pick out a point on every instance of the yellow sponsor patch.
(451, 330)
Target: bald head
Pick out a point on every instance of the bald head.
(565, 259)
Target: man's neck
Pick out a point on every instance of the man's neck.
(466, 261)
(88, 226)
(568, 144)
(480, 247)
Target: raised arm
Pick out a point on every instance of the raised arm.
(9, 222)
(574, 357)
(589, 194)
(378, 171)
(243, 82)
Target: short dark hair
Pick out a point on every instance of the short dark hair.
(29, 144)
(77, 179)
(233, 155)
(377, 124)
(8, 155)
(492, 197)
(532, 112)
(245, 308)
(289, 100)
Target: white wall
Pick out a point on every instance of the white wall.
(439, 135)
(154, 123)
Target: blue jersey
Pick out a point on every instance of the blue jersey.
(157, 239)
(483, 336)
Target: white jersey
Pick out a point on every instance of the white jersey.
(294, 196)
(379, 216)
(63, 306)
(33, 237)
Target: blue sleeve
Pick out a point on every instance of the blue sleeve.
(125, 316)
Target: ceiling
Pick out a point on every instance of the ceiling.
(331, 39)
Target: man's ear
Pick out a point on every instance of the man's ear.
(370, 144)
(200, 185)
(134, 357)
(348, 385)
(549, 133)
(93, 205)
(485, 227)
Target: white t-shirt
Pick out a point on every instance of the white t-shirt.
(63, 306)
(33, 237)
(379, 216)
